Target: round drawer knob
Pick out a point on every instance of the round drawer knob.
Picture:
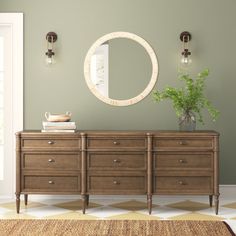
(116, 182)
(50, 142)
(50, 160)
(51, 182)
(181, 161)
(116, 143)
(183, 143)
(116, 161)
(181, 182)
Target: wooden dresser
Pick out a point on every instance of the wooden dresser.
(118, 162)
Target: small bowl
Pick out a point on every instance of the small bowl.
(58, 117)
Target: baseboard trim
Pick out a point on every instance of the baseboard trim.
(224, 189)
(229, 189)
(228, 185)
(6, 197)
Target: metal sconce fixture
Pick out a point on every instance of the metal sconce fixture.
(51, 38)
(185, 37)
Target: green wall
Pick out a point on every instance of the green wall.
(79, 23)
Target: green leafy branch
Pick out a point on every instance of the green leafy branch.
(189, 98)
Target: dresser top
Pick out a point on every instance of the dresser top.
(162, 133)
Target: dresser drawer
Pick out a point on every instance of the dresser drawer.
(116, 184)
(116, 143)
(66, 161)
(50, 143)
(116, 160)
(51, 183)
(183, 184)
(183, 160)
(182, 143)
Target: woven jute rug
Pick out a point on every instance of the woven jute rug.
(113, 228)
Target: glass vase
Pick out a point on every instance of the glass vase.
(187, 122)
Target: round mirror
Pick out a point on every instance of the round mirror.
(121, 68)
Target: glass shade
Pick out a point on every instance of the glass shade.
(186, 60)
(50, 60)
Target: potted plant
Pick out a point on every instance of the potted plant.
(188, 101)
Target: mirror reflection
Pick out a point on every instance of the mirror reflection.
(120, 68)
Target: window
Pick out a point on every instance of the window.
(1, 109)
(11, 96)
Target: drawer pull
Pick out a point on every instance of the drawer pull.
(116, 182)
(116, 161)
(182, 161)
(183, 143)
(51, 142)
(51, 182)
(50, 160)
(181, 182)
(116, 143)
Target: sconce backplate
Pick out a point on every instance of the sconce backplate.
(51, 37)
(185, 36)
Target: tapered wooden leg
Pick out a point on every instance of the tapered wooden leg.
(216, 204)
(149, 203)
(26, 199)
(84, 203)
(210, 200)
(18, 203)
(87, 200)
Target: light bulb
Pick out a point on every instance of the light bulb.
(50, 60)
(186, 60)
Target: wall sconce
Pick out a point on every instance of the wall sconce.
(51, 38)
(185, 37)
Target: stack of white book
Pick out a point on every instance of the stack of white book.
(68, 126)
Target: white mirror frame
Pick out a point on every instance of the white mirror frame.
(147, 47)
